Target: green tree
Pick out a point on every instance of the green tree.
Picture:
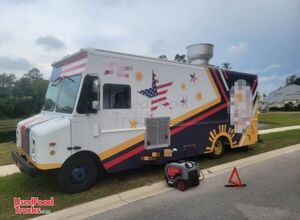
(34, 74)
(297, 81)
(22, 97)
(290, 80)
(23, 87)
(39, 90)
(288, 107)
(7, 82)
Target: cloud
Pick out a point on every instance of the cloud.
(267, 84)
(266, 69)
(263, 79)
(4, 36)
(152, 28)
(158, 46)
(13, 64)
(17, 2)
(50, 42)
(271, 67)
(237, 49)
(118, 3)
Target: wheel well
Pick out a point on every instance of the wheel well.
(226, 141)
(88, 154)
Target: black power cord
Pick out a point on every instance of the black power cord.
(201, 176)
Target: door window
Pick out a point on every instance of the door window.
(116, 96)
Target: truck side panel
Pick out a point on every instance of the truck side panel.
(198, 101)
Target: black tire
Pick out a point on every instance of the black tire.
(196, 183)
(221, 149)
(78, 174)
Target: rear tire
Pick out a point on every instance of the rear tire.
(218, 149)
(77, 175)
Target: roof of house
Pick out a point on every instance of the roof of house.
(290, 92)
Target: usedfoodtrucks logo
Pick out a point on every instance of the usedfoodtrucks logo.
(32, 206)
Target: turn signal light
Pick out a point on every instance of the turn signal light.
(52, 152)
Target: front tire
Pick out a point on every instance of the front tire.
(78, 174)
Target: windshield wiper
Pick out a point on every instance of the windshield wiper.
(58, 79)
(69, 77)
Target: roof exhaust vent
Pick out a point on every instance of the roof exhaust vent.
(199, 54)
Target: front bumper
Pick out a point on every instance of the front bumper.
(24, 165)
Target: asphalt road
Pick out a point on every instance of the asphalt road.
(272, 192)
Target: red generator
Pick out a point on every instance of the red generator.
(182, 174)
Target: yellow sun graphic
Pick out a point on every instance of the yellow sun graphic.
(198, 96)
(133, 123)
(183, 86)
(222, 131)
(139, 76)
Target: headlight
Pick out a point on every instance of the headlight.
(17, 138)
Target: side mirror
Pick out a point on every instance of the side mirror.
(96, 86)
(96, 89)
(96, 105)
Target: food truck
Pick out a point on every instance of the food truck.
(107, 111)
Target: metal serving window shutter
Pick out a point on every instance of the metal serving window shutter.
(157, 132)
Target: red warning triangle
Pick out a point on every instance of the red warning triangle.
(235, 178)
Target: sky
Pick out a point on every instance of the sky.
(257, 36)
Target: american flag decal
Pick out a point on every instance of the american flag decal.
(157, 93)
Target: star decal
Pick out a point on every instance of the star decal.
(194, 78)
(198, 96)
(139, 76)
(184, 101)
(133, 123)
(183, 86)
(157, 93)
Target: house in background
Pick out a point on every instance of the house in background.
(282, 96)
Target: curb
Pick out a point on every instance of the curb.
(111, 202)
(271, 130)
(8, 170)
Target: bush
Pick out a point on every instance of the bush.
(22, 97)
(287, 107)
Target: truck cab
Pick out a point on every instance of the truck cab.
(64, 137)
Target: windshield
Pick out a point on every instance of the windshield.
(64, 100)
(51, 95)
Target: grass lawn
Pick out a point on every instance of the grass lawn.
(7, 130)
(5, 152)
(11, 122)
(45, 187)
(279, 119)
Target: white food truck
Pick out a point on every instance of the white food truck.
(107, 112)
